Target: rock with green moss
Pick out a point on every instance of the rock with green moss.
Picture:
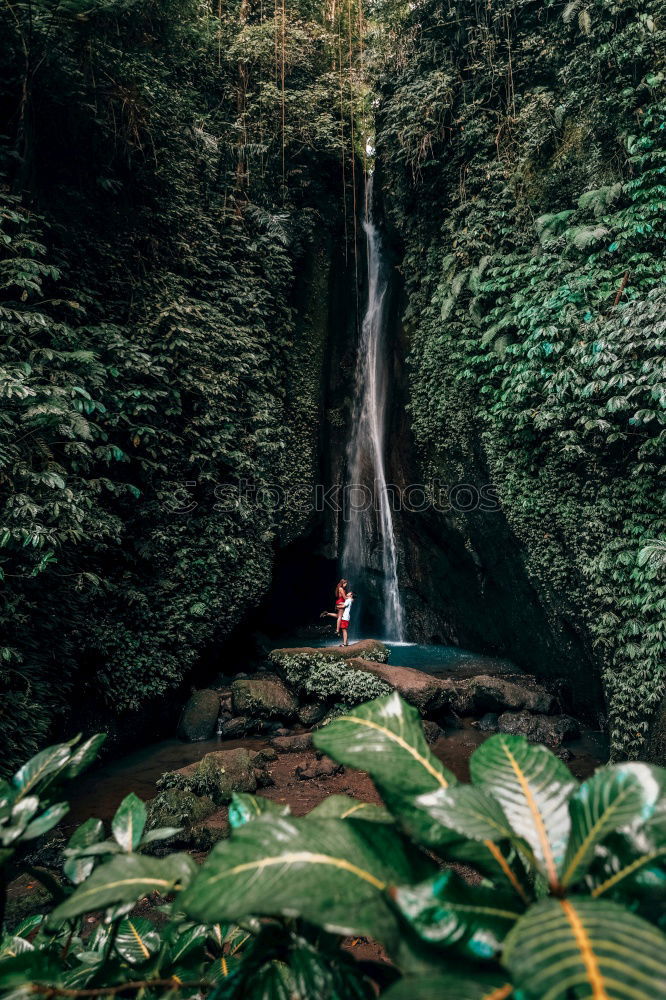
(218, 775)
(178, 807)
(263, 697)
(318, 676)
(368, 649)
(199, 717)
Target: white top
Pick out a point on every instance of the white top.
(346, 609)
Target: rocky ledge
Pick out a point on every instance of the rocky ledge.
(304, 686)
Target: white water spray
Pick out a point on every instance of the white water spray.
(369, 538)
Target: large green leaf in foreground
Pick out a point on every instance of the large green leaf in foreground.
(385, 738)
(533, 787)
(594, 947)
(449, 986)
(614, 798)
(451, 913)
(125, 879)
(331, 872)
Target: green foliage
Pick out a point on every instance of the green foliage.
(157, 200)
(328, 678)
(531, 211)
(568, 893)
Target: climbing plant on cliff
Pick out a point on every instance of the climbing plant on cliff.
(165, 171)
(523, 148)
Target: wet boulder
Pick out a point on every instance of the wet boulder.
(311, 713)
(427, 693)
(198, 719)
(263, 697)
(232, 726)
(324, 768)
(551, 730)
(217, 776)
(292, 744)
(369, 649)
(488, 723)
(179, 808)
(432, 731)
(479, 695)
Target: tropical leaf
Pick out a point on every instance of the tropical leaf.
(533, 787)
(125, 879)
(451, 913)
(78, 868)
(467, 824)
(613, 798)
(245, 807)
(595, 947)
(48, 819)
(162, 833)
(84, 755)
(385, 738)
(345, 807)
(137, 940)
(330, 872)
(186, 941)
(631, 868)
(30, 967)
(480, 986)
(42, 765)
(129, 822)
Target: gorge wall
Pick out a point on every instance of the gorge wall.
(172, 223)
(521, 149)
(179, 312)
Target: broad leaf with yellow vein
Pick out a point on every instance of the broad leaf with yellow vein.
(330, 872)
(245, 807)
(533, 787)
(345, 807)
(470, 919)
(631, 868)
(585, 948)
(385, 738)
(125, 879)
(129, 822)
(466, 985)
(136, 940)
(615, 797)
(46, 764)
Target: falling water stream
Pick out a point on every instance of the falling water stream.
(369, 537)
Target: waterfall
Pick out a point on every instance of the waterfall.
(369, 538)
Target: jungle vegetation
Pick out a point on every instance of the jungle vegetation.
(567, 902)
(169, 173)
(523, 164)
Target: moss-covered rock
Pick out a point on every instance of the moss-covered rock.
(316, 675)
(368, 649)
(218, 775)
(178, 807)
(199, 717)
(427, 693)
(263, 697)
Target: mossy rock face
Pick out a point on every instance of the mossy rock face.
(199, 717)
(325, 676)
(177, 807)
(479, 695)
(368, 649)
(217, 776)
(425, 692)
(263, 697)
